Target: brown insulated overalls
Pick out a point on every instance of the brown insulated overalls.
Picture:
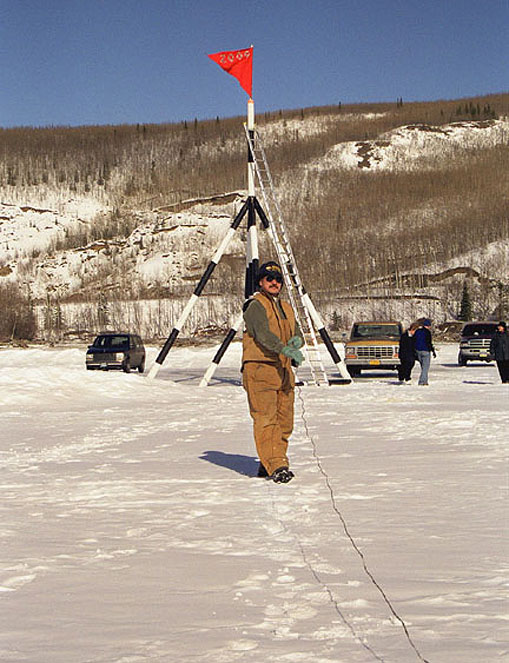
(269, 382)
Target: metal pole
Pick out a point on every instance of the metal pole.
(252, 255)
(320, 326)
(222, 349)
(250, 157)
(197, 292)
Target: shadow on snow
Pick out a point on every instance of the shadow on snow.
(245, 465)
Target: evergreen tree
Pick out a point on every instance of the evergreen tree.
(466, 304)
(336, 321)
(58, 318)
(48, 318)
(103, 311)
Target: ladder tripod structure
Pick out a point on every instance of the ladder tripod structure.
(306, 314)
(271, 218)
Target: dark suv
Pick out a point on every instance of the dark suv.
(475, 342)
(116, 350)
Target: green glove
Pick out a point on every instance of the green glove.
(294, 354)
(296, 342)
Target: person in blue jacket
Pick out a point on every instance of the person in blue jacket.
(424, 349)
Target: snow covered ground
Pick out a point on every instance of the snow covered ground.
(133, 528)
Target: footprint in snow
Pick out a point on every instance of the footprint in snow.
(242, 645)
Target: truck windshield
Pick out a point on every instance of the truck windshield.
(479, 330)
(376, 331)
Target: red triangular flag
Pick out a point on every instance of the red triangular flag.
(238, 64)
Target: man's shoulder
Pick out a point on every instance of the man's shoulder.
(254, 300)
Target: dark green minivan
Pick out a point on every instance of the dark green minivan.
(116, 351)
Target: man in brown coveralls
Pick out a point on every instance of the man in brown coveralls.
(271, 345)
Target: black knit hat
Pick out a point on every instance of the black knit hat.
(502, 324)
(270, 268)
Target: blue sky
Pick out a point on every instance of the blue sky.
(73, 62)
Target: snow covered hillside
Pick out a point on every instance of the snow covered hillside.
(164, 250)
(280, 130)
(419, 146)
(25, 229)
(133, 528)
(107, 232)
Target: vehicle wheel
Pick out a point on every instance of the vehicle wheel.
(354, 371)
(141, 367)
(461, 360)
(127, 366)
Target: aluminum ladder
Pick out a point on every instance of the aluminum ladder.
(312, 371)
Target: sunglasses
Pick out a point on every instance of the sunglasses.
(277, 278)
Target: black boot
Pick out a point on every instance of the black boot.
(282, 475)
(262, 472)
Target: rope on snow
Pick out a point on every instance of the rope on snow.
(349, 535)
(316, 576)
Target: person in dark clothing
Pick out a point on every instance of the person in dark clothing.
(407, 354)
(424, 349)
(499, 348)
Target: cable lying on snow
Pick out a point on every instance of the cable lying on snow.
(353, 543)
